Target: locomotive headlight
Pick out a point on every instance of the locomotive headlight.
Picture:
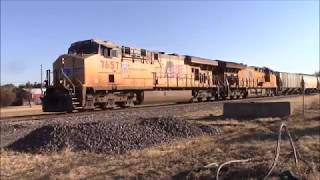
(62, 60)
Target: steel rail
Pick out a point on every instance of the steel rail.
(80, 113)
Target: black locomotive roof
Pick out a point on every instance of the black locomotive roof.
(202, 61)
(229, 64)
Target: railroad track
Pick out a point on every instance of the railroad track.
(37, 117)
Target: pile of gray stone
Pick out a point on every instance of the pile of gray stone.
(114, 137)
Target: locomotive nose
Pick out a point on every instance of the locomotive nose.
(70, 65)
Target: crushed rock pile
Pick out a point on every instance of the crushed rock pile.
(109, 137)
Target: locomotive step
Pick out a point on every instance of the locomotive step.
(75, 102)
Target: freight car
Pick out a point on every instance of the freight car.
(291, 83)
(294, 83)
(97, 73)
(311, 83)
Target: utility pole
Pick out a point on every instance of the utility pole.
(303, 92)
(41, 82)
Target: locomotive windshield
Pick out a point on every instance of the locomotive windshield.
(85, 47)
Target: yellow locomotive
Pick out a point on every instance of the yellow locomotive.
(97, 73)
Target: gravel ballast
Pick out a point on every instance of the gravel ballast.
(114, 137)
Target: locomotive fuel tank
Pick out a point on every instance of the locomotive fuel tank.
(152, 97)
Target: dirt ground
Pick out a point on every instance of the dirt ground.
(186, 158)
(21, 111)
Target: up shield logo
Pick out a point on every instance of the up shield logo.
(68, 71)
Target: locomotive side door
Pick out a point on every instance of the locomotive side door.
(196, 75)
(267, 75)
(155, 79)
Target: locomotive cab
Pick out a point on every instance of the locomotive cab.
(68, 77)
(75, 73)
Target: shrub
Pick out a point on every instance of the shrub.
(8, 94)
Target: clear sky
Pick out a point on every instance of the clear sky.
(281, 35)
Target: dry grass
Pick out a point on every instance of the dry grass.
(184, 158)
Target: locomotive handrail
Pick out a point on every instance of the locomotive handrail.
(69, 80)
